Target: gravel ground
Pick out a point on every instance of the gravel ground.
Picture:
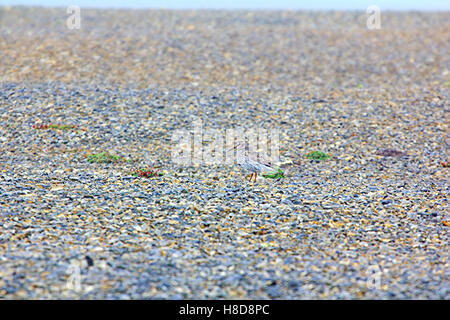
(368, 223)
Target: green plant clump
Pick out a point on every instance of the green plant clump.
(105, 157)
(275, 175)
(64, 127)
(318, 155)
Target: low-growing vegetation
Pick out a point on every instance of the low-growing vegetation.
(318, 155)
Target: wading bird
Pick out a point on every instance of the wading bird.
(253, 163)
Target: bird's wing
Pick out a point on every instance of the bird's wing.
(266, 164)
(265, 161)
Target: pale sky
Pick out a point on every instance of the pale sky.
(246, 4)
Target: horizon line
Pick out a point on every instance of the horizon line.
(93, 7)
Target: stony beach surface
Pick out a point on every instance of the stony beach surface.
(370, 222)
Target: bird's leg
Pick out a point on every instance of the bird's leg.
(256, 175)
(249, 177)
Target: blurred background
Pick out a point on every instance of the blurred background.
(245, 4)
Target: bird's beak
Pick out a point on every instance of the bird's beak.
(234, 147)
